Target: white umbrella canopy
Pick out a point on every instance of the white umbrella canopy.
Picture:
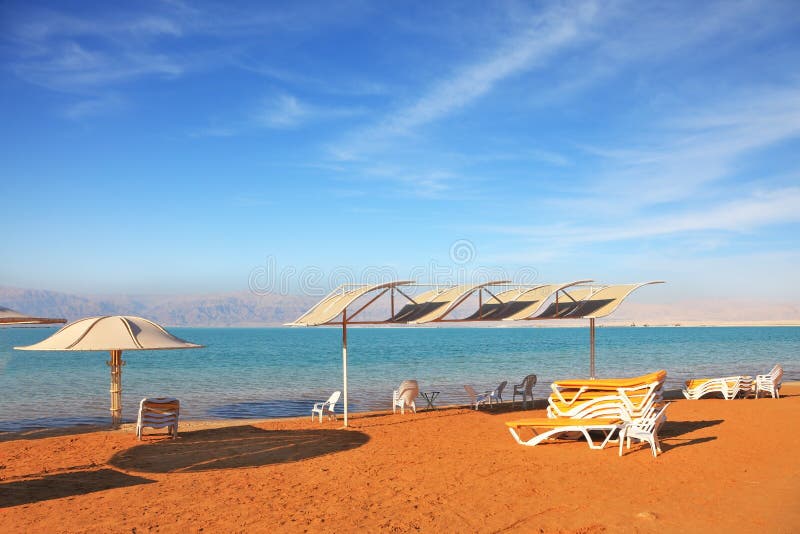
(12, 317)
(115, 334)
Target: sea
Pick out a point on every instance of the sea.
(280, 372)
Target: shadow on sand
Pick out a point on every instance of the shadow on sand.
(65, 485)
(673, 429)
(234, 447)
(41, 433)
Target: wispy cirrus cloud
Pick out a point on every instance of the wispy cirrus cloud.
(73, 54)
(280, 111)
(698, 147)
(89, 53)
(739, 216)
(90, 107)
(546, 34)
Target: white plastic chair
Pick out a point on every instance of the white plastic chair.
(475, 397)
(770, 382)
(405, 395)
(525, 389)
(158, 412)
(491, 396)
(644, 428)
(326, 407)
(497, 394)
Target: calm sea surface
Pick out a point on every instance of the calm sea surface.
(278, 372)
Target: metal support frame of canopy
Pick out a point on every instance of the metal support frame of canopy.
(560, 310)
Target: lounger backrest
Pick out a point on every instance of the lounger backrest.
(471, 392)
(158, 412)
(333, 399)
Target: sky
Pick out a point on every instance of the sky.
(170, 147)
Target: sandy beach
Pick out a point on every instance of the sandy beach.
(725, 465)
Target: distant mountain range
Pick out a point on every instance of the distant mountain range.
(247, 309)
(233, 309)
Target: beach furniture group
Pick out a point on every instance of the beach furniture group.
(633, 407)
(738, 386)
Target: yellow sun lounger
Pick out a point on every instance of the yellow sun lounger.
(556, 426)
(626, 403)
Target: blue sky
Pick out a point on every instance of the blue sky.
(151, 147)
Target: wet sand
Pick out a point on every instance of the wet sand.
(725, 465)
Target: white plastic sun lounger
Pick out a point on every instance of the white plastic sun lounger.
(730, 387)
(553, 427)
(158, 412)
(625, 398)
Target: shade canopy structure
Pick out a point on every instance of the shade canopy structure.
(498, 300)
(11, 317)
(114, 334)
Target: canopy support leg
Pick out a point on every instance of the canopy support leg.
(591, 348)
(116, 364)
(344, 361)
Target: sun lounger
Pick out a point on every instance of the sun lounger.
(770, 382)
(626, 398)
(405, 395)
(158, 412)
(326, 407)
(545, 428)
(730, 387)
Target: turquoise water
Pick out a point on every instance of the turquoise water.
(277, 372)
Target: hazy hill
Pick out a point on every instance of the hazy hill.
(247, 309)
(233, 309)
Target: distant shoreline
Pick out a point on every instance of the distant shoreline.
(567, 323)
(538, 324)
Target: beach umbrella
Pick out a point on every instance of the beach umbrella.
(11, 317)
(114, 334)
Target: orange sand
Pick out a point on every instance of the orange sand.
(726, 465)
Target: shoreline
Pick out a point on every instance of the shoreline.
(127, 427)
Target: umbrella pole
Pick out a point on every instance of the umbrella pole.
(591, 348)
(344, 361)
(116, 364)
